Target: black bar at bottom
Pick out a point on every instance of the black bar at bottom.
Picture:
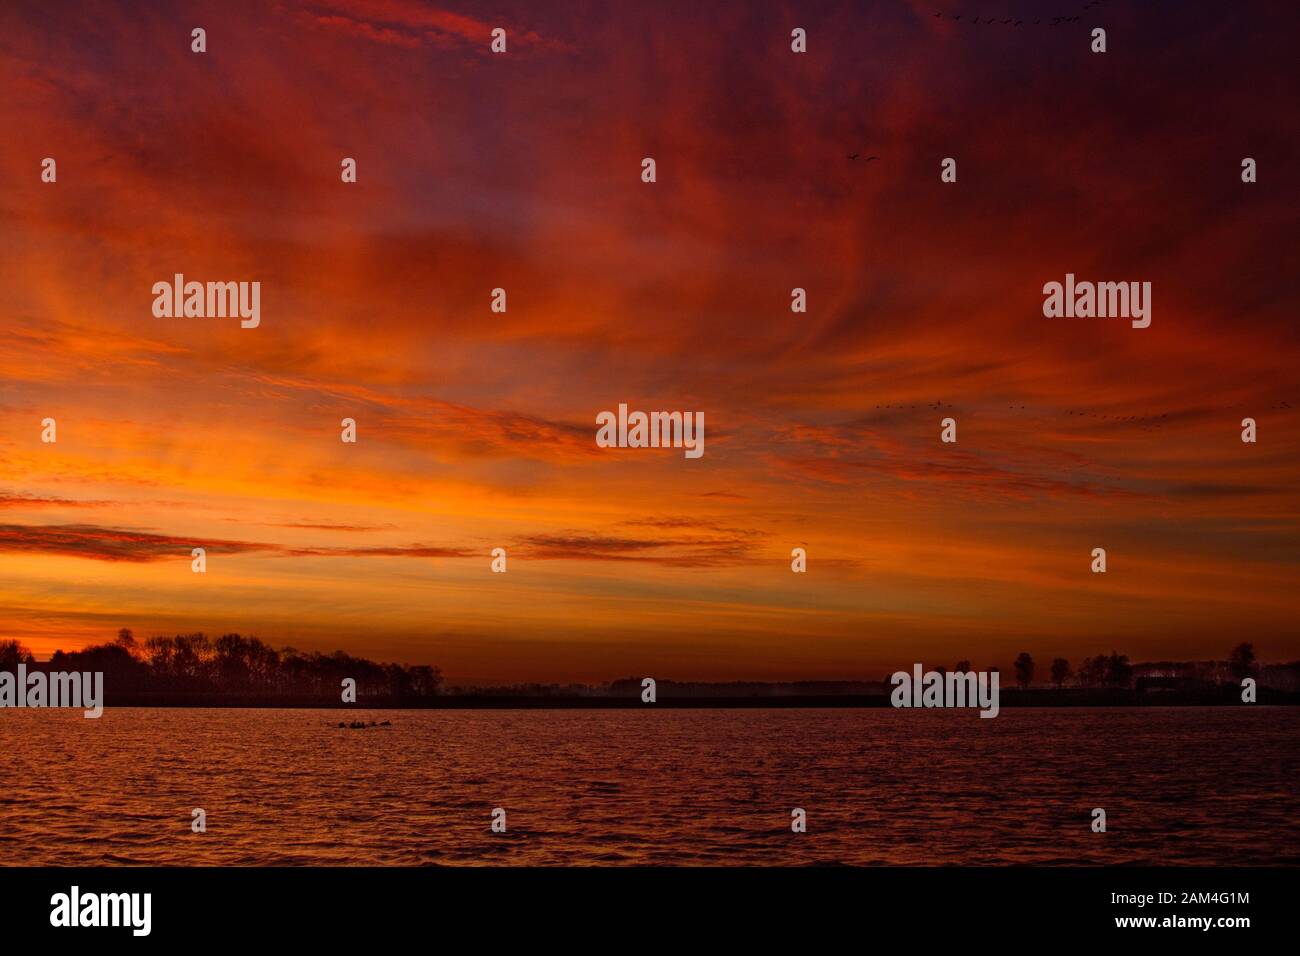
(664, 907)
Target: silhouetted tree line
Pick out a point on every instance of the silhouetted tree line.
(243, 667)
(232, 665)
(1100, 671)
(1111, 670)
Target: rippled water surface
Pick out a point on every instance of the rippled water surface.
(1191, 786)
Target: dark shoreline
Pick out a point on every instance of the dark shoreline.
(1228, 697)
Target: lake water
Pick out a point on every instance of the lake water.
(1179, 786)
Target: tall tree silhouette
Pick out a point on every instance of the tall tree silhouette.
(1242, 661)
(1024, 666)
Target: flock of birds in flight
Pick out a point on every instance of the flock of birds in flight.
(1012, 21)
(1005, 21)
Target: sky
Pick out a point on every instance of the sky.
(476, 430)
